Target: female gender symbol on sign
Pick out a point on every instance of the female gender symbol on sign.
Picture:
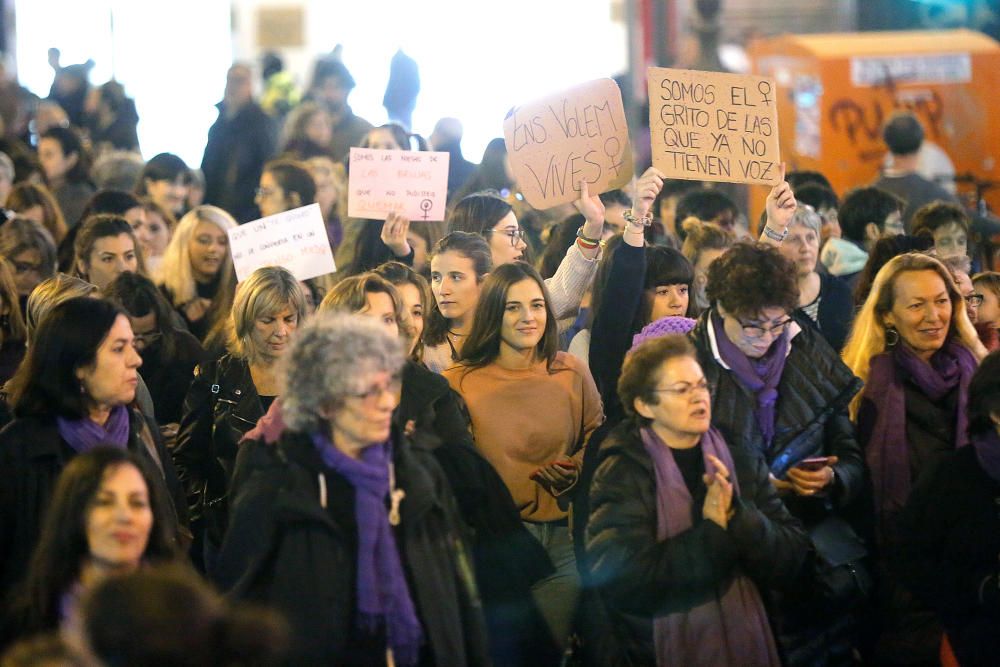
(426, 205)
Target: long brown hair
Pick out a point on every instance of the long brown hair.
(471, 246)
(483, 345)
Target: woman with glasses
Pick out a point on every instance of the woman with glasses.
(490, 216)
(783, 393)
(284, 184)
(916, 350)
(682, 528)
(229, 395)
(345, 527)
(169, 355)
(29, 248)
(533, 409)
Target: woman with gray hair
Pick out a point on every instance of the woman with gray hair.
(229, 395)
(324, 519)
(822, 296)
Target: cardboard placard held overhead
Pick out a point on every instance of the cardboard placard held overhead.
(709, 126)
(295, 240)
(413, 183)
(577, 134)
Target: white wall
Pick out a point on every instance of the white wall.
(477, 58)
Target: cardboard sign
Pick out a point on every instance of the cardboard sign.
(413, 183)
(295, 240)
(578, 134)
(709, 126)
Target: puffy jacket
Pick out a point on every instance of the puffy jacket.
(811, 419)
(639, 578)
(286, 549)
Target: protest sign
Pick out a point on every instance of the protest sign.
(295, 240)
(709, 126)
(578, 134)
(412, 183)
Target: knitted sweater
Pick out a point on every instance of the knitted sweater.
(525, 419)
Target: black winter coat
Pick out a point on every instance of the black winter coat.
(811, 419)
(949, 544)
(32, 454)
(221, 406)
(234, 158)
(285, 549)
(836, 310)
(639, 578)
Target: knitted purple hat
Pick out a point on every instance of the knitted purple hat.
(663, 327)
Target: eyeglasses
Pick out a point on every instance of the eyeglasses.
(514, 234)
(144, 340)
(373, 393)
(754, 331)
(263, 193)
(687, 390)
(974, 300)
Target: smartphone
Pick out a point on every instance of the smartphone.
(813, 464)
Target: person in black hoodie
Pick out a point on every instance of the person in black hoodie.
(345, 526)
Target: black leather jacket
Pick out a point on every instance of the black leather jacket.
(221, 405)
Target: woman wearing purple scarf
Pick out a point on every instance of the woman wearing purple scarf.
(73, 392)
(949, 531)
(683, 529)
(915, 348)
(782, 393)
(343, 526)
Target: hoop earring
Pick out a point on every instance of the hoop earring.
(891, 337)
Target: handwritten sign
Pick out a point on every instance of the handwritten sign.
(578, 134)
(709, 126)
(295, 240)
(413, 183)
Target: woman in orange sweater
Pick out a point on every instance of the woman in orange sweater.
(533, 409)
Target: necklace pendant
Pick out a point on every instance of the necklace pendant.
(395, 498)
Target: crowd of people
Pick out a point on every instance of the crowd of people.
(626, 431)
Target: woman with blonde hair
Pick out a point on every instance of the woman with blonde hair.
(704, 242)
(916, 350)
(197, 273)
(230, 394)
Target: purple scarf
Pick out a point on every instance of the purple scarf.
(761, 376)
(887, 451)
(383, 596)
(85, 434)
(732, 629)
(988, 453)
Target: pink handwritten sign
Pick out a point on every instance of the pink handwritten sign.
(413, 183)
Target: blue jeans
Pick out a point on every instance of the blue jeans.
(558, 594)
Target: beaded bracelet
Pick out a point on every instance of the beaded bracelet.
(645, 220)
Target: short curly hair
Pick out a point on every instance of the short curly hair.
(640, 372)
(750, 277)
(329, 359)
